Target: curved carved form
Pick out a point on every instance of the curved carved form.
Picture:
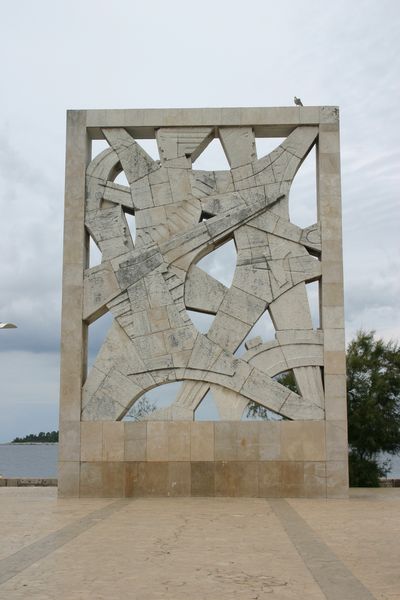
(149, 286)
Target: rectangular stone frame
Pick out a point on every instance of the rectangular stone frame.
(287, 458)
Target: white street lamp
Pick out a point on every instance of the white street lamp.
(7, 326)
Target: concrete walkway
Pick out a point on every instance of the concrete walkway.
(195, 548)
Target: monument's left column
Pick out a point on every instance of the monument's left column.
(73, 329)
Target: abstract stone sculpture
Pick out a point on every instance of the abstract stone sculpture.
(149, 284)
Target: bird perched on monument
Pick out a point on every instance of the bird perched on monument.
(297, 101)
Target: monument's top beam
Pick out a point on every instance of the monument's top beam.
(266, 121)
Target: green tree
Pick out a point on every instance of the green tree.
(141, 409)
(373, 399)
(43, 437)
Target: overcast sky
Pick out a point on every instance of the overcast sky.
(79, 54)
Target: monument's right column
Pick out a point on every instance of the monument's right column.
(332, 302)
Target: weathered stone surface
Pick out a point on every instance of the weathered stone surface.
(148, 284)
(99, 287)
(135, 161)
(239, 145)
(203, 292)
(175, 142)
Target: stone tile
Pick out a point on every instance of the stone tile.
(227, 331)
(91, 441)
(203, 478)
(151, 345)
(113, 476)
(234, 478)
(91, 480)
(73, 275)
(74, 253)
(242, 305)
(70, 441)
(333, 317)
(332, 294)
(292, 479)
(301, 440)
(239, 145)
(72, 306)
(135, 441)
(309, 115)
(181, 339)
(335, 385)
(269, 441)
(335, 397)
(329, 118)
(332, 271)
(99, 286)
(331, 229)
(291, 311)
(259, 386)
(152, 479)
(269, 479)
(178, 441)
(335, 408)
(335, 362)
(329, 142)
(71, 368)
(329, 193)
(336, 440)
(157, 441)
(315, 479)
(225, 440)
(179, 479)
(131, 479)
(332, 249)
(248, 441)
(330, 205)
(113, 441)
(202, 441)
(337, 479)
(202, 290)
(68, 479)
(158, 319)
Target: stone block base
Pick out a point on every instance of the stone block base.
(253, 459)
(220, 478)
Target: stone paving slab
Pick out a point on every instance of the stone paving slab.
(173, 548)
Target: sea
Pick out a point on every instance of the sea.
(40, 460)
(28, 460)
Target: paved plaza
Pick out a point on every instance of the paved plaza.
(214, 548)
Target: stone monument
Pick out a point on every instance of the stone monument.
(149, 283)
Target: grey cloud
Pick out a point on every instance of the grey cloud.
(29, 393)
(325, 53)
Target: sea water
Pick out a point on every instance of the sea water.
(28, 460)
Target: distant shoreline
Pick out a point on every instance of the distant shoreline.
(27, 443)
